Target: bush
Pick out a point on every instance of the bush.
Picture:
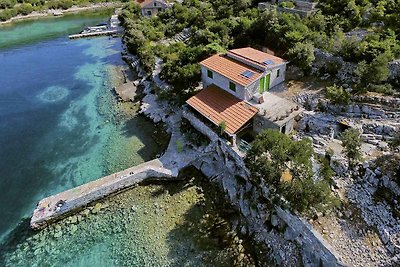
(61, 4)
(287, 4)
(396, 140)
(7, 4)
(285, 165)
(302, 55)
(351, 141)
(376, 72)
(331, 67)
(386, 88)
(179, 146)
(6, 14)
(25, 9)
(337, 95)
(221, 127)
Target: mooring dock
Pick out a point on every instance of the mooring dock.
(57, 206)
(93, 34)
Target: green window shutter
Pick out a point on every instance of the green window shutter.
(267, 80)
(232, 86)
(262, 86)
(210, 74)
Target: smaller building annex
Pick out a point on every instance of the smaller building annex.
(218, 106)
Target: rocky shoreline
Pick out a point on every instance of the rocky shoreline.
(299, 243)
(52, 12)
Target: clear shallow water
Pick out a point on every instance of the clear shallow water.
(37, 30)
(59, 126)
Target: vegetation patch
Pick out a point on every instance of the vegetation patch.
(273, 156)
(12, 8)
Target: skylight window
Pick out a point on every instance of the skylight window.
(248, 74)
(269, 62)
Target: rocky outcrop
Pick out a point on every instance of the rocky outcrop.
(394, 71)
(345, 70)
(228, 170)
(314, 247)
(325, 61)
(362, 187)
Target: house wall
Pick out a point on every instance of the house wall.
(261, 123)
(244, 93)
(154, 9)
(251, 90)
(221, 82)
(277, 80)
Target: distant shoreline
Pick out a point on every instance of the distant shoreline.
(50, 12)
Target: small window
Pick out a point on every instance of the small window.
(232, 86)
(148, 13)
(155, 3)
(278, 73)
(210, 74)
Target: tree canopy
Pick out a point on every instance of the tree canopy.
(285, 165)
(216, 26)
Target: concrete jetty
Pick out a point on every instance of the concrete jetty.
(93, 34)
(60, 205)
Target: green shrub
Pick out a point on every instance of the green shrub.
(7, 4)
(272, 154)
(221, 127)
(179, 146)
(302, 55)
(385, 88)
(351, 141)
(337, 95)
(396, 140)
(6, 14)
(60, 4)
(25, 9)
(332, 68)
(287, 4)
(376, 72)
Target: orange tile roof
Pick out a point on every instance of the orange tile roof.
(231, 69)
(256, 56)
(144, 3)
(218, 105)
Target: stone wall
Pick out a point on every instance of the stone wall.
(314, 247)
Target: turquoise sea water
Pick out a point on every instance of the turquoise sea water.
(58, 128)
(61, 126)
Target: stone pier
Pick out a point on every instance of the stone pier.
(56, 207)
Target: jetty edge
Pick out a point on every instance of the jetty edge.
(59, 206)
(112, 27)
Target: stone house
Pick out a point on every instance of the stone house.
(152, 7)
(235, 93)
(244, 72)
